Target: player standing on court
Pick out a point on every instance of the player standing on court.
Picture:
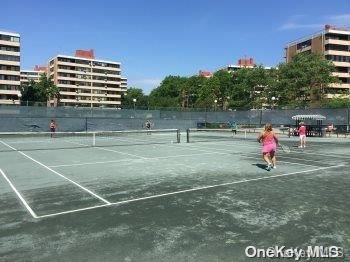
(53, 127)
(302, 135)
(269, 141)
(148, 127)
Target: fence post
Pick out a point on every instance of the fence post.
(86, 124)
(261, 112)
(348, 127)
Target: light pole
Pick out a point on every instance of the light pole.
(227, 102)
(91, 65)
(273, 102)
(215, 103)
(134, 100)
(19, 98)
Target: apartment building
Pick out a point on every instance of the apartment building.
(124, 84)
(334, 44)
(9, 68)
(86, 81)
(242, 63)
(34, 75)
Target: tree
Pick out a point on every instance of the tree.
(338, 102)
(45, 89)
(167, 94)
(302, 82)
(251, 87)
(134, 93)
(28, 91)
(41, 91)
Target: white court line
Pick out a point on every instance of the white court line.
(19, 195)
(137, 160)
(192, 190)
(292, 151)
(242, 143)
(105, 149)
(55, 172)
(74, 211)
(289, 157)
(245, 155)
(282, 161)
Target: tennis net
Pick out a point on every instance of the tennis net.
(27, 141)
(207, 135)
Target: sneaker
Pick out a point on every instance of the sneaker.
(300, 147)
(274, 167)
(269, 166)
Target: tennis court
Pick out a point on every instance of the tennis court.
(139, 196)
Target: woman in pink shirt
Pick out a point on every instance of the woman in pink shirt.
(302, 135)
(269, 142)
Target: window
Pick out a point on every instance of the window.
(345, 48)
(9, 38)
(304, 44)
(9, 48)
(9, 77)
(9, 68)
(9, 58)
(338, 58)
(337, 37)
(341, 69)
(8, 87)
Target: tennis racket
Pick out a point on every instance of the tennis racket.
(285, 148)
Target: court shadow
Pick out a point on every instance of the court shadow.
(260, 166)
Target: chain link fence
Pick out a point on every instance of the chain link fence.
(32, 118)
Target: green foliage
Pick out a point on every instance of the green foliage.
(41, 91)
(304, 79)
(300, 83)
(338, 102)
(168, 93)
(135, 93)
(28, 91)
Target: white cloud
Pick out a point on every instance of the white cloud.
(340, 20)
(295, 22)
(293, 25)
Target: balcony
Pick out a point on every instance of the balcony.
(118, 89)
(342, 64)
(10, 82)
(337, 42)
(67, 93)
(10, 43)
(334, 52)
(10, 63)
(344, 75)
(337, 96)
(7, 72)
(340, 85)
(74, 101)
(9, 102)
(3, 52)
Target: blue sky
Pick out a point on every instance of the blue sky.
(156, 38)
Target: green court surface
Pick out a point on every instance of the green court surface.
(200, 201)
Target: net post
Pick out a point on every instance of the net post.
(178, 135)
(245, 134)
(93, 139)
(188, 135)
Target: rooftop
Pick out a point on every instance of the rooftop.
(9, 33)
